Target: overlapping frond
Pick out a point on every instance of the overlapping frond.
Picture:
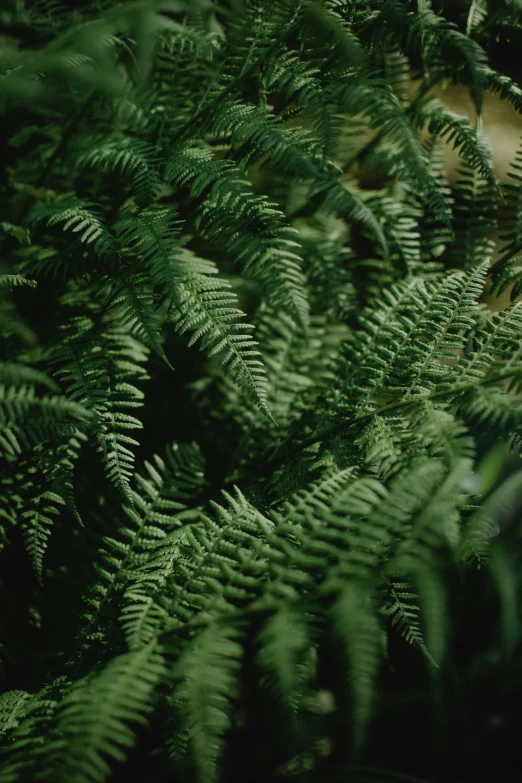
(208, 683)
(261, 241)
(267, 182)
(205, 306)
(80, 217)
(407, 344)
(99, 368)
(459, 132)
(132, 158)
(139, 557)
(86, 739)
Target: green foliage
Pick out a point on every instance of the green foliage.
(314, 493)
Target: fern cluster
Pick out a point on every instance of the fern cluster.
(248, 404)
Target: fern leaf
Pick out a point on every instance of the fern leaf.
(98, 367)
(282, 641)
(20, 233)
(207, 672)
(12, 281)
(347, 200)
(506, 270)
(17, 404)
(404, 610)
(262, 242)
(96, 720)
(153, 236)
(357, 627)
(206, 306)
(130, 294)
(130, 157)
(487, 521)
(30, 720)
(138, 559)
(458, 131)
(474, 219)
(81, 217)
(13, 374)
(417, 326)
(36, 524)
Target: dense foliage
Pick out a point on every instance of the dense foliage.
(258, 422)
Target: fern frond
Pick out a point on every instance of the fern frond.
(96, 720)
(36, 524)
(208, 672)
(20, 233)
(78, 215)
(447, 436)
(439, 42)
(418, 325)
(31, 720)
(12, 281)
(506, 270)
(356, 625)
(459, 132)
(269, 182)
(474, 219)
(500, 85)
(435, 235)
(291, 150)
(397, 72)
(403, 608)
(98, 368)
(374, 99)
(301, 84)
(488, 399)
(153, 236)
(282, 640)
(225, 562)
(485, 523)
(13, 374)
(132, 297)
(138, 559)
(132, 158)
(12, 707)
(503, 569)
(206, 306)
(348, 201)
(19, 404)
(477, 13)
(261, 241)
(436, 528)
(434, 607)
(385, 441)
(38, 483)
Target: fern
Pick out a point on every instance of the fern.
(126, 687)
(404, 610)
(138, 559)
(98, 368)
(206, 307)
(358, 632)
(261, 241)
(316, 554)
(458, 131)
(208, 681)
(80, 217)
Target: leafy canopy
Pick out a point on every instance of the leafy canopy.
(205, 542)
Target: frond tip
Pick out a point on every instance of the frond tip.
(206, 306)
